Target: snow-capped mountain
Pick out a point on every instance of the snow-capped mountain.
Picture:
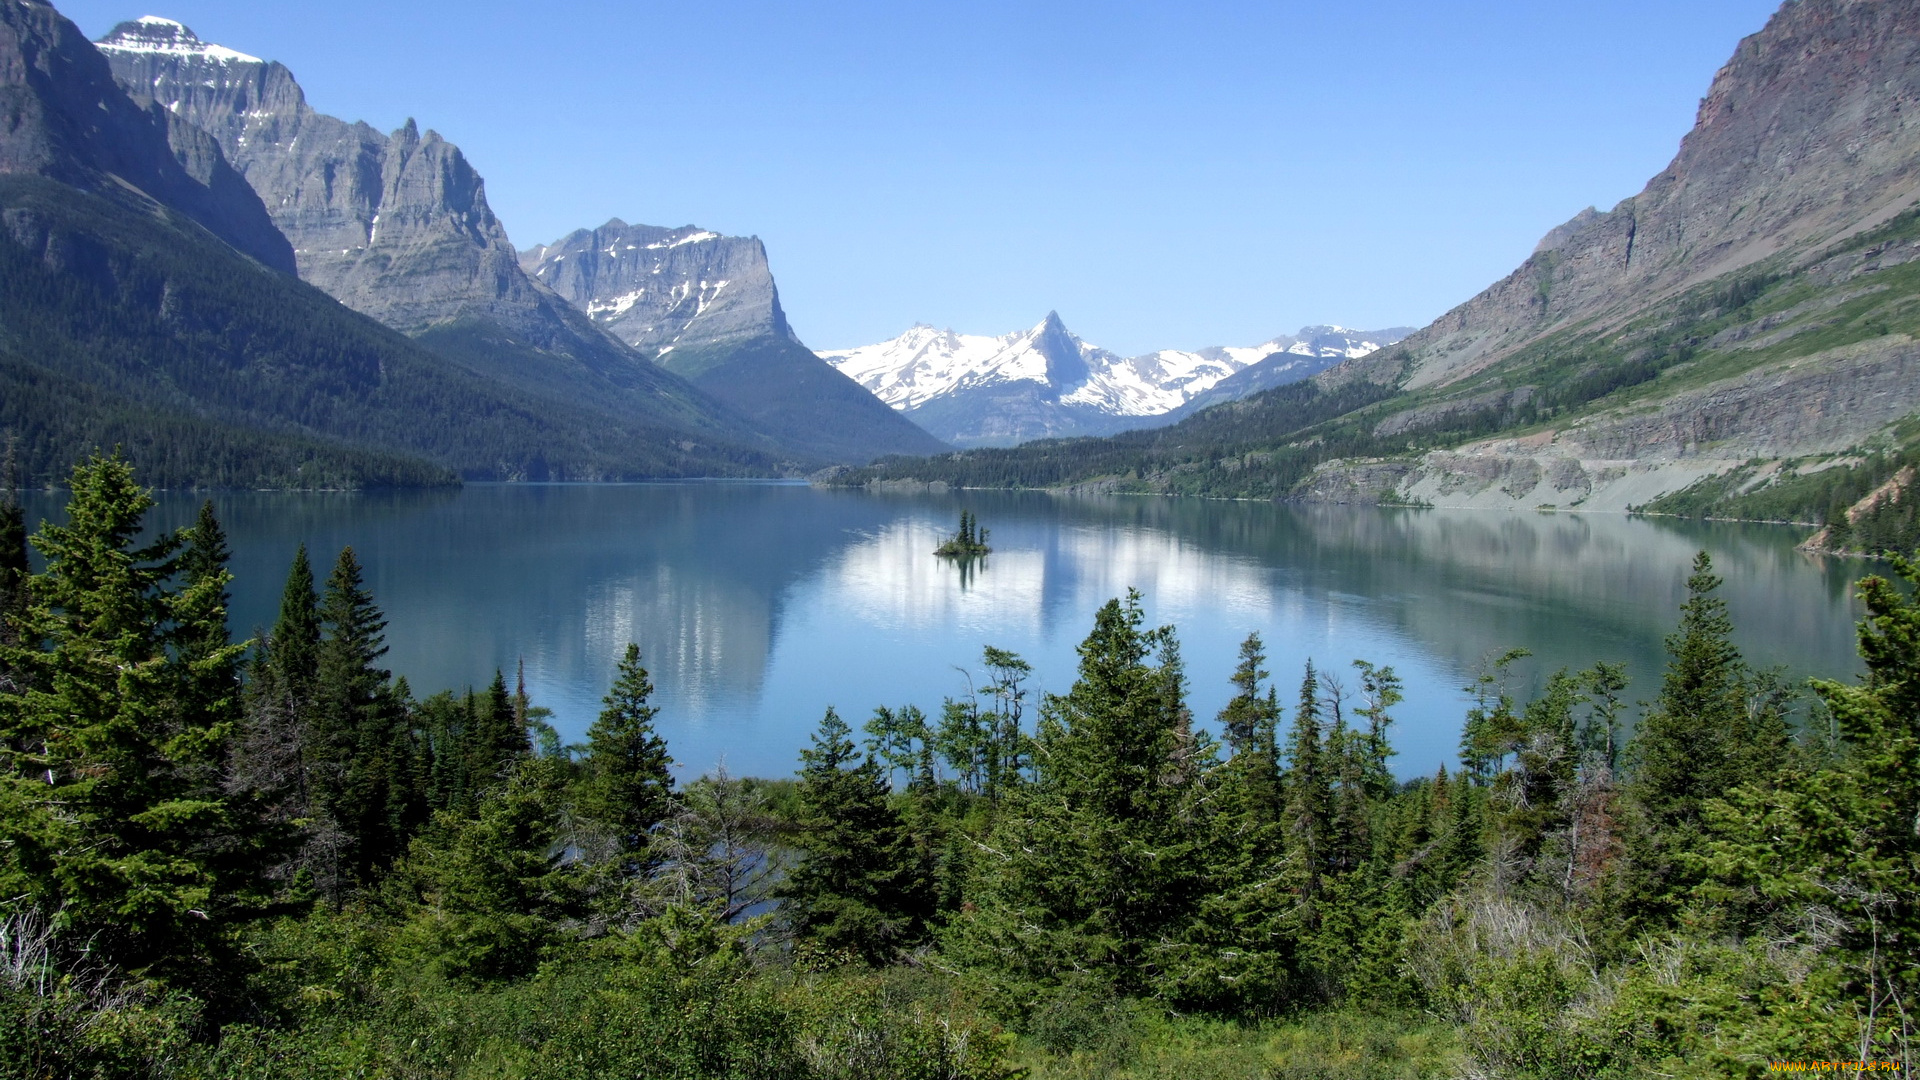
(975, 390)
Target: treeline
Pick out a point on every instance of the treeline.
(271, 859)
(1824, 496)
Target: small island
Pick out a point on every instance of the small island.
(969, 543)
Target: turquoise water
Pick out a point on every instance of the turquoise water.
(757, 605)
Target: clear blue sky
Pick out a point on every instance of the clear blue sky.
(1164, 175)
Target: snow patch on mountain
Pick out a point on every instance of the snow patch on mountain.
(153, 34)
(925, 364)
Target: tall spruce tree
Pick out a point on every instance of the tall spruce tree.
(110, 826)
(1688, 747)
(273, 758)
(1096, 860)
(1309, 800)
(497, 740)
(628, 787)
(14, 564)
(861, 889)
(1237, 953)
(352, 731)
(209, 661)
(295, 649)
(1697, 743)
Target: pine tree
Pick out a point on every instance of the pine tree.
(1248, 709)
(1097, 859)
(352, 734)
(14, 564)
(904, 743)
(295, 641)
(209, 661)
(1309, 798)
(1689, 747)
(1381, 689)
(861, 889)
(1238, 952)
(110, 825)
(628, 787)
(494, 888)
(272, 758)
(498, 738)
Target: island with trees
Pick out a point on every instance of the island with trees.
(970, 542)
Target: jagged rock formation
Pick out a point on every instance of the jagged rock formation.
(705, 305)
(63, 117)
(394, 226)
(1043, 382)
(1749, 301)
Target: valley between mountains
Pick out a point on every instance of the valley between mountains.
(246, 291)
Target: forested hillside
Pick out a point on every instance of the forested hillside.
(276, 859)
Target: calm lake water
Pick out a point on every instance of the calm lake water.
(758, 605)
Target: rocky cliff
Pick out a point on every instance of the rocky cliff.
(150, 304)
(1808, 135)
(397, 226)
(1753, 302)
(659, 289)
(394, 226)
(63, 117)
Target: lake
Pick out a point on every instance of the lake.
(757, 605)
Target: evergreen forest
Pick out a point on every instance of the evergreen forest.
(274, 858)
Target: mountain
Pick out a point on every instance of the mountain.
(706, 307)
(65, 119)
(974, 390)
(658, 289)
(1313, 350)
(148, 306)
(1740, 338)
(1749, 304)
(397, 227)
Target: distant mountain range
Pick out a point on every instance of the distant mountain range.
(974, 390)
(1740, 337)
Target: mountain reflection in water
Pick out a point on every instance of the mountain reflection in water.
(757, 605)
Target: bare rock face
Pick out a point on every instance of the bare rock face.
(1808, 135)
(659, 289)
(705, 306)
(394, 226)
(63, 117)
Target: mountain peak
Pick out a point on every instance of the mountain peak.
(973, 389)
(162, 36)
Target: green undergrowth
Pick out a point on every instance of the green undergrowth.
(1386, 1045)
